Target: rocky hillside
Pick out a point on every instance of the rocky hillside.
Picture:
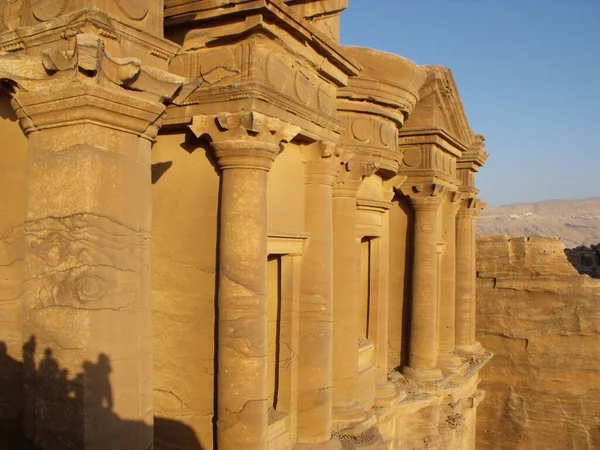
(576, 222)
(541, 319)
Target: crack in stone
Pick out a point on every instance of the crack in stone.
(75, 308)
(89, 266)
(232, 280)
(84, 214)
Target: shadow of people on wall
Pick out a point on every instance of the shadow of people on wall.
(44, 408)
(11, 399)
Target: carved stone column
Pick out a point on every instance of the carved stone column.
(245, 146)
(425, 201)
(447, 277)
(90, 122)
(466, 276)
(346, 289)
(385, 392)
(321, 168)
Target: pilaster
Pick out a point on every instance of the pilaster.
(346, 288)
(245, 146)
(315, 380)
(466, 276)
(90, 120)
(447, 329)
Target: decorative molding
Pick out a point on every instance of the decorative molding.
(84, 83)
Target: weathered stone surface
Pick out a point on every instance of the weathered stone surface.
(302, 231)
(541, 319)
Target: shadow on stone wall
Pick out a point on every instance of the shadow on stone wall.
(585, 259)
(65, 402)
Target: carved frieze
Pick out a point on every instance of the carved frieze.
(372, 136)
(430, 161)
(26, 13)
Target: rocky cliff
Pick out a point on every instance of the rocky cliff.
(541, 318)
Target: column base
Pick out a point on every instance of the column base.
(332, 444)
(450, 362)
(471, 349)
(386, 395)
(423, 375)
(345, 416)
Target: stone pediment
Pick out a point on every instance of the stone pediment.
(440, 107)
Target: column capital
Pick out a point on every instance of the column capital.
(423, 197)
(244, 140)
(86, 85)
(453, 205)
(351, 175)
(322, 163)
(471, 206)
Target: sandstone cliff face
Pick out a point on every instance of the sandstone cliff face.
(542, 321)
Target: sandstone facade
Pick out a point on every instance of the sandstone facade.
(291, 266)
(542, 321)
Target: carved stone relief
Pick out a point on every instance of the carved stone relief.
(370, 130)
(45, 10)
(10, 14)
(412, 157)
(133, 9)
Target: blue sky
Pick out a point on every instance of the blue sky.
(528, 72)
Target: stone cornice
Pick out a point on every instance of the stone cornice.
(475, 157)
(149, 48)
(432, 135)
(260, 15)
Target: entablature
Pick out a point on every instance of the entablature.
(471, 161)
(121, 37)
(258, 56)
(375, 104)
(429, 159)
(272, 17)
(372, 137)
(134, 13)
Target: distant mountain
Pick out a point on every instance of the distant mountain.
(576, 222)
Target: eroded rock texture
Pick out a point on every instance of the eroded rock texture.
(542, 321)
